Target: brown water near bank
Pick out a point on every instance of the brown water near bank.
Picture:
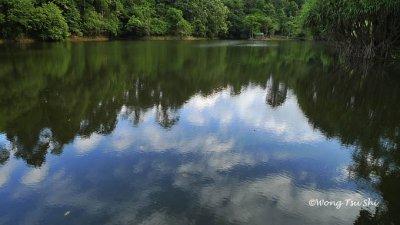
(88, 38)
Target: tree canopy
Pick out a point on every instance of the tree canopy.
(57, 19)
(365, 28)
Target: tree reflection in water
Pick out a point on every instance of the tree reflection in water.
(361, 110)
(48, 97)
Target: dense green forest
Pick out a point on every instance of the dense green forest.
(363, 29)
(57, 19)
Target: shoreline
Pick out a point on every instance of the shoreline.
(172, 38)
(73, 38)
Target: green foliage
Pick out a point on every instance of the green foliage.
(71, 15)
(365, 28)
(268, 17)
(18, 15)
(202, 18)
(138, 27)
(159, 26)
(112, 25)
(183, 28)
(217, 14)
(48, 23)
(2, 18)
(174, 15)
(178, 25)
(93, 23)
(235, 17)
(143, 22)
(258, 22)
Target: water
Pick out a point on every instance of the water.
(221, 132)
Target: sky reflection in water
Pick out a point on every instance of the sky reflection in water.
(229, 157)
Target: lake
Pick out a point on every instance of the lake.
(196, 132)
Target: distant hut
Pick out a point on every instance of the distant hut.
(259, 35)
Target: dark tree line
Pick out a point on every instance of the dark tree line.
(368, 29)
(58, 19)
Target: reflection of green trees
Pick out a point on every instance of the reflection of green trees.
(4, 155)
(363, 111)
(48, 97)
(277, 93)
(49, 94)
(357, 105)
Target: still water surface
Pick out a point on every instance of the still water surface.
(221, 132)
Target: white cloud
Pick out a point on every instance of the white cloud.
(275, 199)
(35, 175)
(212, 144)
(196, 118)
(286, 122)
(6, 171)
(122, 139)
(85, 145)
(200, 102)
